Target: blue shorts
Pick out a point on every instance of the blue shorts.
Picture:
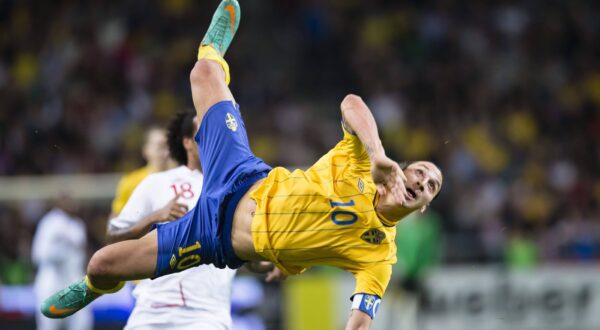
(203, 235)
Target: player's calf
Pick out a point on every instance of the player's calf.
(123, 261)
(208, 85)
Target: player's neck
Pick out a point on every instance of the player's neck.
(158, 166)
(194, 164)
(392, 215)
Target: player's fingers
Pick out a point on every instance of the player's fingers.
(399, 192)
(381, 189)
(401, 174)
(389, 188)
(401, 186)
(270, 277)
(395, 179)
(276, 277)
(398, 197)
(182, 207)
(401, 197)
(392, 183)
(177, 195)
(176, 214)
(402, 194)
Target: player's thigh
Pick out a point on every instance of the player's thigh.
(208, 86)
(126, 260)
(224, 149)
(184, 243)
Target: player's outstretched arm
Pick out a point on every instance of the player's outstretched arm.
(114, 234)
(359, 120)
(386, 173)
(171, 211)
(358, 321)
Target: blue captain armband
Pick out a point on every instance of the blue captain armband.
(367, 303)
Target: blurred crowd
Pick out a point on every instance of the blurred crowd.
(503, 95)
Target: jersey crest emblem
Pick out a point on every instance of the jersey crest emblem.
(373, 236)
(361, 185)
(231, 122)
(173, 261)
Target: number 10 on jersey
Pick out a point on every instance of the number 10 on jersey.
(343, 218)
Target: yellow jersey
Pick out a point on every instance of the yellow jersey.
(126, 186)
(326, 216)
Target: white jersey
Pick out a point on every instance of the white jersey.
(199, 297)
(59, 251)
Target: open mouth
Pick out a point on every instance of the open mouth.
(410, 194)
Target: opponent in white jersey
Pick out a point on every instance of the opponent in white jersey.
(59, 251)
(198, 298)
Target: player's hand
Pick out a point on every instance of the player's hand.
(389, 179)
(261, 267)
(173, 210)
(275, 275)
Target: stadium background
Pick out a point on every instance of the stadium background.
(503, 95)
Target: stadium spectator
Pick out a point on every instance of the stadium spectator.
(60, 254)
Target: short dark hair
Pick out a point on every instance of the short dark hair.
(182, 125)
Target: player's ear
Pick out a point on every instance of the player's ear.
(423, 208)
(188, 143)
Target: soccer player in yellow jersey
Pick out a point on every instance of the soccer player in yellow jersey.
(340, 212)
(156, 154)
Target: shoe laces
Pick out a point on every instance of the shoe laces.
(77, 287)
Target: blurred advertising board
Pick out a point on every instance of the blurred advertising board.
(456, 298)
(557, 297)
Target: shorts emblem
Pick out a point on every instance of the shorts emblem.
(231, 122)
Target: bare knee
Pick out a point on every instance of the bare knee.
(352, 100)
(207, 71)
(100, 264)
(208, 86)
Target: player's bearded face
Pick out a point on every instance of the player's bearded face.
(423, 183)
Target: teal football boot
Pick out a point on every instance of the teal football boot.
(223, 26)
(68, 301)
